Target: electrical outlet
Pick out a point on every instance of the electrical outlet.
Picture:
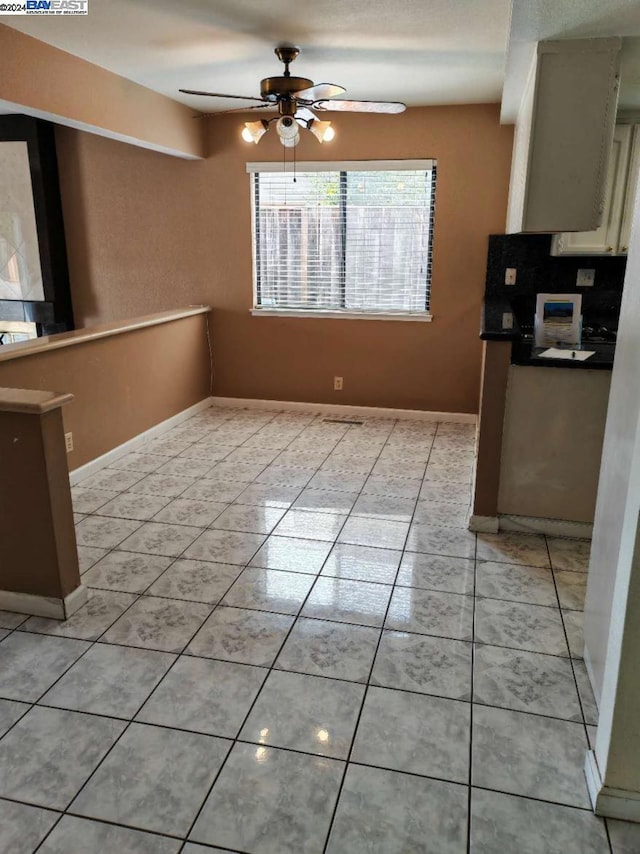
(68, 441)
(510, 276)
(337, 383)
(585, 278)
(507, 320)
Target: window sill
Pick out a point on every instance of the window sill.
(421, 316)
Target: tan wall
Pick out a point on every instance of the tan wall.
(43, 80)
(122, 384)
(146, 233)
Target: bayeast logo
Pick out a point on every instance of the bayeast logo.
(57, 7)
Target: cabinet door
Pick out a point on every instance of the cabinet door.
(632, 186)
(604, 240)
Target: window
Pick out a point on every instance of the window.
(348, 238)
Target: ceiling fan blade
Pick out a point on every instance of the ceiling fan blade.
(305, 114)
(360, 106)
(219, 95)
(320, 90)
(238, 110)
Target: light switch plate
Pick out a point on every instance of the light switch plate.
(507, 320)
(510, 276)
(585, 278)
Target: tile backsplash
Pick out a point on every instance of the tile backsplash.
(540, 272)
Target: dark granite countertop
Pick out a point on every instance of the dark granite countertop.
(499, 323)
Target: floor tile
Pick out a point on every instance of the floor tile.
(384, 507)
(154, 779)
(244, 517)
(135, 461)
(322, 648)
(348, 601)
(532, 584)
(501, 823)
(325, 501)
(189, 511)
(529, 755)
(431, 612)
(305, 713)
(128, 572)
(234, 634)
(292, 554)
(128, 505)
(393, 487)
(160, 538)
(197, 581)
(23, 827)
(257, 456)
(625, 836)
(214, 490)
(436, 572)
(101, 610)
(225, 547)
(301, 459)
(528, 549)
(441, 514)
(10, 712)
(374, 532)
(453, 542)
(271, 801)
(428, 665)
(165, 446)
(445, 493)
(573, 627)
(339, 481)
(569, 554)
(589, 707)
(269, 590)
(185, 467)
(88, 500)
(286, 476)
(163, 624)
(32, 663)
(534, 627)
(88, 556)
(49, 753)
(572, 589)
(206, 696)
(167, 485)
(341, 462)
(362, 563)
(526, 682)
(112, 480)
(306, 524)
(411, 469)
(95, 837)
(414, 733)
(11, 620)
(235, 471)
(268, 495)
(110, 680)
(384, 812)
(103, 531)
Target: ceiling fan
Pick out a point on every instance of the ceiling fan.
(296, 99)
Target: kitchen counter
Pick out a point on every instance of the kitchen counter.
(499, 323)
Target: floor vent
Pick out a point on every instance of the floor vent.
(342, 421)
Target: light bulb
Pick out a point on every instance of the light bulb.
(290, 142)
(254, 131)
(322, 131)
(287, 128)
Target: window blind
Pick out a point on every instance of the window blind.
(352, 240)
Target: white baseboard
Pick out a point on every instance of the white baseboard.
(44, 606)
(605, 801)
(484, 524)
(341, 409)
(551, 527)
(134, 444)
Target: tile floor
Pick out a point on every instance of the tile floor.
(293, 644)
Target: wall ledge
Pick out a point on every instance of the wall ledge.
(92, 333)
(30, 401)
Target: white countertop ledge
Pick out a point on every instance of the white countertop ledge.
(92, 333)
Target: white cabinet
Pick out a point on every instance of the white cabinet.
(563, 137)
(612, 237)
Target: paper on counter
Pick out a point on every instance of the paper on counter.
(570, 355)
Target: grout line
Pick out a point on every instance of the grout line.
(473, 669)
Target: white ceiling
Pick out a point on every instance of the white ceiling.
(417, 51)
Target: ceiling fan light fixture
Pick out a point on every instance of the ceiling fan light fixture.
(323, 131)
(287, 130)
(254, 131)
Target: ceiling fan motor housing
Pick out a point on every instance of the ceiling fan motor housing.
(272, 88)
